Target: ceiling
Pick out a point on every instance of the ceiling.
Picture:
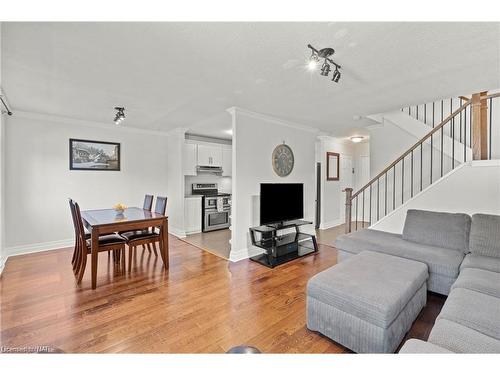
(170, 75)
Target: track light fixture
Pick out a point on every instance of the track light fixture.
(336, 75)
(325, 54)
(120, 115)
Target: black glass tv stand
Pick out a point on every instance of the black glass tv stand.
(282, 248)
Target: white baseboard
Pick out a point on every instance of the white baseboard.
(3, 260)
(37, 247)
(331, 224)
(192, 232)
(177, 232)
(237, 255)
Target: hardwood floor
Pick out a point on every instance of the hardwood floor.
(328, 236)
(202, 304)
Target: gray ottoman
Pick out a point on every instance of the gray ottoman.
(368, 302)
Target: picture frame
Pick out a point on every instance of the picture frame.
(88, 155)
(332, 166)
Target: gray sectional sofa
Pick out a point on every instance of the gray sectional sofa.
(437, 239)
(463, 259)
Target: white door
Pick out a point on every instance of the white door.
(346, 180)
(362, 172)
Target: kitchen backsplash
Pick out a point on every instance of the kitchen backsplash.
(224, 183)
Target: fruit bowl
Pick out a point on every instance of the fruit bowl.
(119, 208)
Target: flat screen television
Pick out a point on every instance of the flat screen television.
(281, 202)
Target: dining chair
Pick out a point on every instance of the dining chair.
(148, 202)
(147, 205)
(109, 242)
(147, 237)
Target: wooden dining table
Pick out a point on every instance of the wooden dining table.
(107, 221)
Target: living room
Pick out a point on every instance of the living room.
(191, 187)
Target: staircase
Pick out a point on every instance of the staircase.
(451, 132)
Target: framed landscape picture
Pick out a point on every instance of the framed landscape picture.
(93, 155)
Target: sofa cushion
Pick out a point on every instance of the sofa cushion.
(372, 286)
(440, 229)
(415, 346)
(461, 339)
(481, 262)
(478, 280)
(485, 235)
(478, 311)
(439, 260)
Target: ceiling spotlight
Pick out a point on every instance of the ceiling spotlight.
(120, 115)
(336, 76)
(325, 69)
(324, 53)
(357, 139)
(313, 61)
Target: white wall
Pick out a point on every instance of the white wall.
(254, 139)
(39, 182)
(176, 182)
(471, 188)
(2, 136)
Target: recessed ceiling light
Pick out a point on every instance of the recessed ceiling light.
(357, 139)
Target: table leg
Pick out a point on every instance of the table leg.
(94, 252)
(164, 243)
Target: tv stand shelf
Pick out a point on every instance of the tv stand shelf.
(282, 248)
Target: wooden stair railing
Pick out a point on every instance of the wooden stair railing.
(480, 139)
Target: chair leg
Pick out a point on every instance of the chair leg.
(82, 268)
(73, 259)
(130, 250)
(154, 249)
(79, 259)
(122, 251)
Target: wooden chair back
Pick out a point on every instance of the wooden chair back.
(148, 202)
(161, 205)
(79, 225)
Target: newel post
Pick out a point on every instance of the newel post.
(348, 209)
(479, 107)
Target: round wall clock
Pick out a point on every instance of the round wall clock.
(283, 160)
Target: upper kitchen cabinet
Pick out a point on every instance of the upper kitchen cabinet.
(227, 161)
(189, 160)
(209, 155)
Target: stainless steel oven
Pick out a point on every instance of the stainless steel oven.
(214, 220)
(216, 207)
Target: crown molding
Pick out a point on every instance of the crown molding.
(87, 123)
(241, 111)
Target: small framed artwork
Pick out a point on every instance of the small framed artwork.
(85, 155)
(332, 166)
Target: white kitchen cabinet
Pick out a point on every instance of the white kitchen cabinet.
(209, 155)
(192, 215)
(227, 162)
(189, 160)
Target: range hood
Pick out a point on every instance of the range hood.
(209, 169)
